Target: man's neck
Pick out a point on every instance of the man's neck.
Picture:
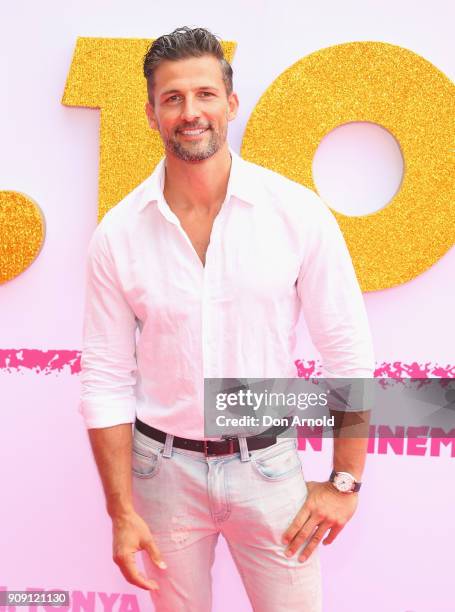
(197, 186)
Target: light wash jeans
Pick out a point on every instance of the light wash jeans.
(188, 499)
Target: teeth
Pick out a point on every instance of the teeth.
(192, 132)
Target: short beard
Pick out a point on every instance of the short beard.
(179, 150)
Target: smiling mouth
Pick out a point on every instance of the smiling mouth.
(193, 131)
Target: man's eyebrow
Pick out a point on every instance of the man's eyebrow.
(169, 91)
(174, 91)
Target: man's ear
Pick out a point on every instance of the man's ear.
(233, 106)
(150, 116)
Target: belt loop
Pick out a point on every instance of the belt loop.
(167, 452)
(244, 452)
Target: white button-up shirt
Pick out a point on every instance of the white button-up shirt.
(275, 248)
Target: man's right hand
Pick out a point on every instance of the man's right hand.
(130, 535)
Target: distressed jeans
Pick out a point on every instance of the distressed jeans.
(250, 497)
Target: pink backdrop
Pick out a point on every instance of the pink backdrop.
(395, 554)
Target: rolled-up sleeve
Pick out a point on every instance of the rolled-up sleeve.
(331, 298)
(108, 359)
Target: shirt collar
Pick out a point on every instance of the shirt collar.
(242, 184)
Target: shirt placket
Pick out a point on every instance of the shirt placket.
(211, 280)
(211, 286)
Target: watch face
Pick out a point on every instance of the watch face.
(343, 482)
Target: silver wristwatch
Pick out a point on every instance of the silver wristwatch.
(344, 482)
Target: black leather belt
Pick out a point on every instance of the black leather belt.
(213, 447)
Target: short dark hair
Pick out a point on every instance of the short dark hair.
(183, 43)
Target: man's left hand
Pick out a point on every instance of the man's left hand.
(324, 508)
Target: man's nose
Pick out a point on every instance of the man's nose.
(190, 110)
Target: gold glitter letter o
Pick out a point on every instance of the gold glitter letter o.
(22, 231)
(389, 86)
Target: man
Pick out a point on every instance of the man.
(211, 258)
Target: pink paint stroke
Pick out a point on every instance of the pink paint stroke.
(56, 361)
(397, 369)
(41, 362)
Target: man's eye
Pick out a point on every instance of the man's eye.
(173, 98)
(206, 94)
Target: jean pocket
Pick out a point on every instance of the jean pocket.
(145, 460)
(277, 462)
